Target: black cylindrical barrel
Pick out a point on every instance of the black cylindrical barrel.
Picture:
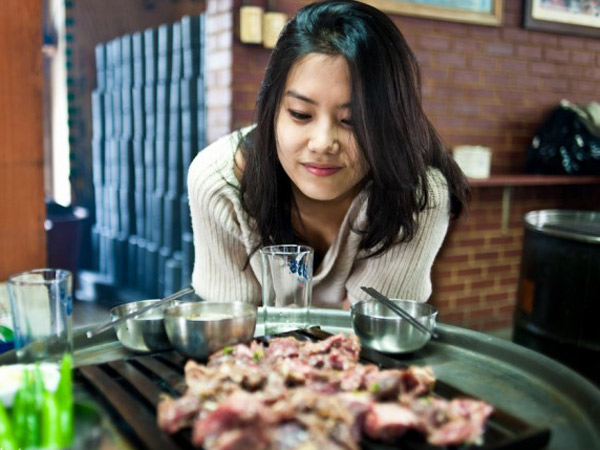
(558, 299)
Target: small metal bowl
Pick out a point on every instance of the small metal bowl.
(380, 328)
(143, 333)
(197, 329)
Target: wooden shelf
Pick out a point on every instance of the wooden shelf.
(509, 182)
(532, 180)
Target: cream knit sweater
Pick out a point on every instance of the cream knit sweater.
(223, 238)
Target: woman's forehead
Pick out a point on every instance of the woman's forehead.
(319, 75)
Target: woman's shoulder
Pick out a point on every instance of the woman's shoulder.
(216, 155)
(437, 185)
(214, 164)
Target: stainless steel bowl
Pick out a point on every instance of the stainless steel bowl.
(380, 328)
(199, 329)
(143, 333)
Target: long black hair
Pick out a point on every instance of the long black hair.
(391, 129)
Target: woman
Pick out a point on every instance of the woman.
(342, 158)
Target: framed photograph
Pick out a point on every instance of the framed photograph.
(579, 17)
(482, 12)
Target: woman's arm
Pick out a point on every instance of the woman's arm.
(219, 242)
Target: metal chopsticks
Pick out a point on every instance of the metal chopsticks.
(398, 310)
(165, 300)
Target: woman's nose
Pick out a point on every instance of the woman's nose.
(324, 139)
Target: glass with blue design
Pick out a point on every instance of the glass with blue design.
(287, 275)
(41, 302)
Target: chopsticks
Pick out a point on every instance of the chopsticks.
(398, 310)
(106, 326)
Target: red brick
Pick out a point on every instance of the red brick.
(512, 253)
(495, 269)
(499, 49)
(556, 84)
(493, 298)
(582, 57)
(543, 68)
(507, 310)
(511, 281)
(449, 59)
(466, 45)
(487, 34)
(514, 66)
(531, 52)
(470, 272)
(544, 39)
(560, 56)
(570, 42)
(468, 301)
(497, 79)
(457, 287)
(434, 43)
(481, 313)
(456, 317)
(583, 86)
(503, 240)
(468, 77)
(477, 242)
(487, 256)
(442, 304)
(482, 284)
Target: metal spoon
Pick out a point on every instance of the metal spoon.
(107, 326)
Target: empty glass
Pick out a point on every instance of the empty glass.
(42, 310)
(286, 286)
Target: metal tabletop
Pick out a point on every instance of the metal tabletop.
(513, 378)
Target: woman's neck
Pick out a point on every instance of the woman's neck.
(319, 222)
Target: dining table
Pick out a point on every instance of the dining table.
(518, 381)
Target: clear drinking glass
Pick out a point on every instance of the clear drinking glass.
(42, 311)
(286, 286)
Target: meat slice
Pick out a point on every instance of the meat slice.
(285, 347)
(239, 422)
(389, 421)
(416, 381)
(338, 352)
(464, 422)
(175, 414)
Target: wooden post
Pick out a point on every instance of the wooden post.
(22, 208)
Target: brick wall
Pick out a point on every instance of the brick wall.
(481, 85)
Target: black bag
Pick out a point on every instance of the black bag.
(568, 143)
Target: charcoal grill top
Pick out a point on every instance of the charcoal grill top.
(513, 378)
(130, 390)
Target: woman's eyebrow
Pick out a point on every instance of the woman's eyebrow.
(292, 93)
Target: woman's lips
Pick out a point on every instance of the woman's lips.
(321, 170)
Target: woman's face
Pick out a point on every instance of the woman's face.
(315, 140)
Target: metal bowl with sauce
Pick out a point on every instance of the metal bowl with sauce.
(197, 329)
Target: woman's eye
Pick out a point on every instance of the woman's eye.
(299, 115)
(348, 122)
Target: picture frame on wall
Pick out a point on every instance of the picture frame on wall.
(481, 12)
(576, 17)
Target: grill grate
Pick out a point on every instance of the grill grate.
(130, 391)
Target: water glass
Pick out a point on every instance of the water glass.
(286, 286)
(42, 311)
